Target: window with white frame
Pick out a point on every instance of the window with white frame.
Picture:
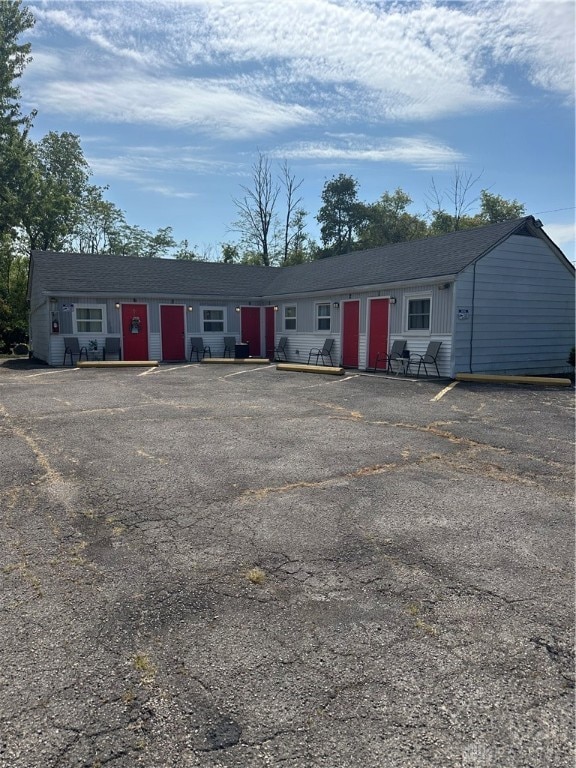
(418, 313)
(323, 317)
(90, 319)
(290, 318)
(213, 320)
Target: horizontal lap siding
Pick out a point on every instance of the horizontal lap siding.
(300, 344)
(521, 311)
(418, 346)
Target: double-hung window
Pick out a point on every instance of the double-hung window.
(323, 322)
(290, 318)
(418, 313)
(90, 319)
(213, 320)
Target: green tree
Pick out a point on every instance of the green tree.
(230, 254)
(300, 247)
(341, 215)
(388, 221)
(15, 21)
(99, 225)
(13, 283)
(14, 55)
(15, 153)
(57, 180)
(494, 208)
(184, 252)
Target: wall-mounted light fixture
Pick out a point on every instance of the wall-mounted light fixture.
(275, 308)
(336, 305)
(190, 308)
(392, 299)
(237, 309)
(117, 305)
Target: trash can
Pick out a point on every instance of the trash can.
(242, 350)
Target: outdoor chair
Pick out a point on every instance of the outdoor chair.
(229, 346)
(111, 347)
(73, 348)
(428, 358)
(395, 354)
(325, 352)
(197, 347)
(280, 349)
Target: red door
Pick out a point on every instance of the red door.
(250, 329)
(270, 322)
(172, 327)
(351, 334)
(134, 331)
(377, 330)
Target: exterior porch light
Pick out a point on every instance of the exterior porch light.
(237, 309)
(275, 308)
(336, 305)
(392, 299)
(117, 305)
(190, 308)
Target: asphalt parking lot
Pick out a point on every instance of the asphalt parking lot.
(240, 567)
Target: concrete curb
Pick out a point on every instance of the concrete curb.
(502, 379)
(236, 360)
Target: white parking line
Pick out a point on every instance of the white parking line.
(247, 370)
(444, 391)
(161, 369)
(47, 373)
(333, 381)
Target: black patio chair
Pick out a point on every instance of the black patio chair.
(280, 349)
(72, 347)
(428, 358)
(229, 346)
(197, 347)
(323, 353)
(395, 354)
(111, 347)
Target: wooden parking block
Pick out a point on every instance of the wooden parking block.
(297, 367)
(118, 364)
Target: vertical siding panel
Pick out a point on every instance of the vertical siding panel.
(523, 312)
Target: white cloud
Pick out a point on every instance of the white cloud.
(246, 67)
(563, 234)
(172, 103)
(423, 153)
(147, 164)
(170, 192)
(538, 35)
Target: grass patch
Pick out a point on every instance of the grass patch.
(256, 576)
(143, 665)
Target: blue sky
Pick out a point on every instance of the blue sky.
(173, 101)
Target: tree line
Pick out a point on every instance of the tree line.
(272, 223)
(47, 202)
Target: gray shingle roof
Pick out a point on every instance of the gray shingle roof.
(414, 260)
(400, 262)
(122, 275)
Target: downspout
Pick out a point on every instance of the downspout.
(472, 318)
